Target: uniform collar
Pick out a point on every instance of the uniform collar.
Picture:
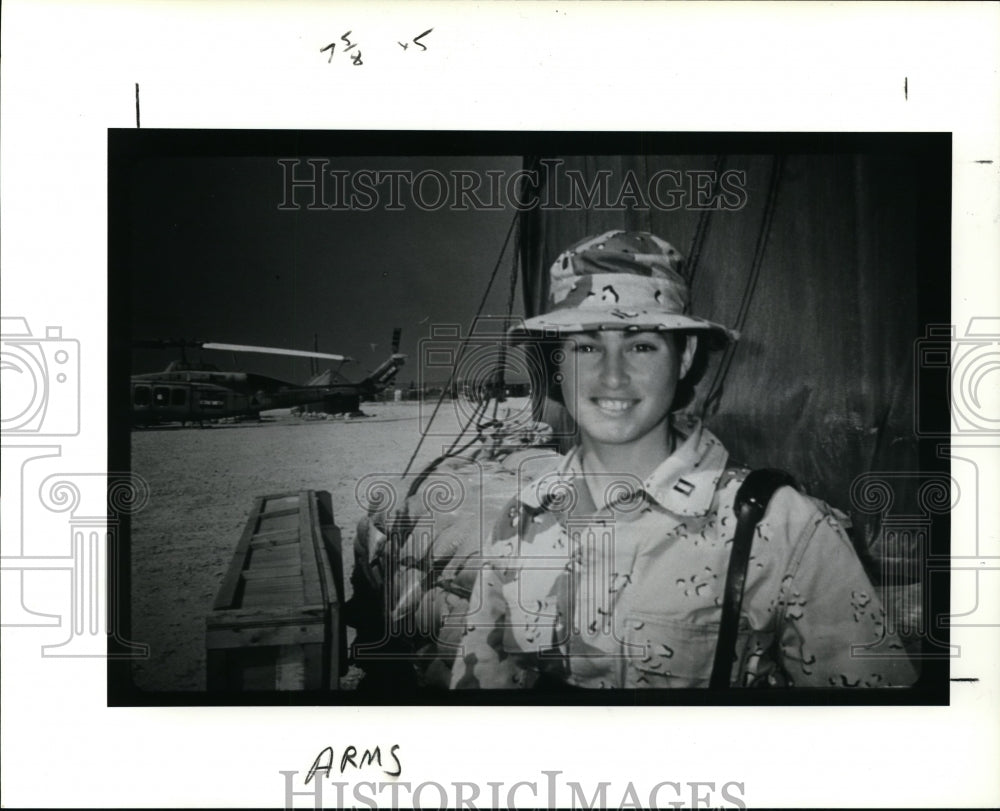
(684, 483)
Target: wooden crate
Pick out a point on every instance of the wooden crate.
(276, 623)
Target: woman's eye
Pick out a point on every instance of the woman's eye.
(644, 347)
(584, 348)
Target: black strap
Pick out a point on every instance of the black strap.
(751, 501)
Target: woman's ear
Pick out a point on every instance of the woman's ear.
(687, 356)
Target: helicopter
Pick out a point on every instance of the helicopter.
(196, 392)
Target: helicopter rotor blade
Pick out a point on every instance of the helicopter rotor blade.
(270, 350)
(165, 343)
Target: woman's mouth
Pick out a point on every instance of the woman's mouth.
(613, 405)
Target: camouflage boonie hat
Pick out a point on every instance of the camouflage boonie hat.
(620, 280)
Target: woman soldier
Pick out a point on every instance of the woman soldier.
(611, 570)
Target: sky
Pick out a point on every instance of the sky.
(212, 257)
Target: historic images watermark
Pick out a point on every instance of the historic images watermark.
(448, 507)
(966, 364)
(310, 184)
(323, 786)
(41, 379)
(471, 368)
(41, 385)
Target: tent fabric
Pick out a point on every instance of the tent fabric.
(822, 382)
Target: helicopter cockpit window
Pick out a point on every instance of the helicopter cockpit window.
(178, 397)
(141, 396)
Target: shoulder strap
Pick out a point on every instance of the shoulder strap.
(751, 502)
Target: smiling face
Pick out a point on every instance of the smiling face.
(619, 386)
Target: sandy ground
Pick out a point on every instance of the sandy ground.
(202, 485)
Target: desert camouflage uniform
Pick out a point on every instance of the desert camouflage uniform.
(415, 562)
(630, 595)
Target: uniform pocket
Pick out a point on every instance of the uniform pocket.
(666, 653)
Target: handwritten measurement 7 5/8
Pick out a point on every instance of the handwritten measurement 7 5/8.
(356, 58)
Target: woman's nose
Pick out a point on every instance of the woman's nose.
(613, 372)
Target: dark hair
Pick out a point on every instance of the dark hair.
(547, 351)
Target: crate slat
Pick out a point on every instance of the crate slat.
(279, 513)
(290, 668)
(280, 537)
(227, 592)
(284, 555)
(221, 638)
(307, 551)
(269, 572)
(276, 622)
